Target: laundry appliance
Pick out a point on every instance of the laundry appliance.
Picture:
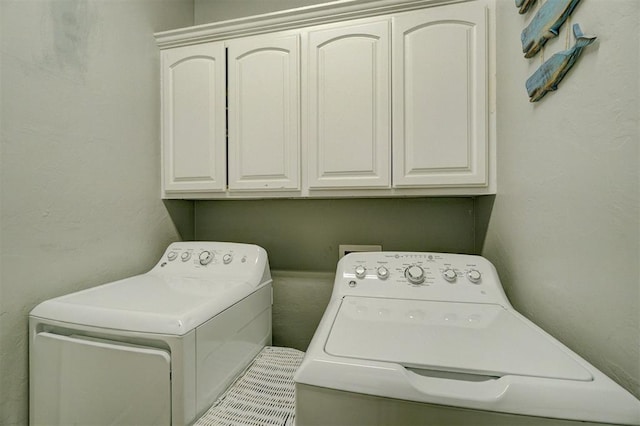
(431, 339)
(154, 349)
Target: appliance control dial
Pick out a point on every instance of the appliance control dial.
(205, 257)
(361, 271)
(383, 272)
(173, 255)
(185, 256)
(415, 274)
(474, 276)
(449, 275)
(227, 258)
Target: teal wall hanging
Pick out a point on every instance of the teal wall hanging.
(524, 5)
(550, 73)
(545, 25)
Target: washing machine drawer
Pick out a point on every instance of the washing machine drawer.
(80, 380)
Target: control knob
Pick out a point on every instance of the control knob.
(173, 255)
(474, 276)
(227, 258)
(449, 275)
(361, 271)
(415, 274)
(185, 256)
(383, 272)
(205, 257)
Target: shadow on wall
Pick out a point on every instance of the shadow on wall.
(299, 300)
(482, 208)
(182, 216)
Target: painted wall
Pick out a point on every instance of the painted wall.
(303, 235)
(564, 232)
(79, 158)
(222, 10)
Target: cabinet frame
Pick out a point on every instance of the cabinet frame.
(303, 20)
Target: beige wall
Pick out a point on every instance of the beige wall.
(221, 10)
(79, 158)
(303, 235)
(564, 231)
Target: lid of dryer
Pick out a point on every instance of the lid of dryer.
(147, 303)
(471, 338)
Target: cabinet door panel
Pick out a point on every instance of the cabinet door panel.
(264, 113)
(440, 100)
(349, 115)
(194, 151)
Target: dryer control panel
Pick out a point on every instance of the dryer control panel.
(212, 259)
(418, 275)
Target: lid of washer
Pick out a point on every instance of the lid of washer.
(471, 338)
(147, 303)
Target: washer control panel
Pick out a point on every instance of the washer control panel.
(417, 275)
(212, 259)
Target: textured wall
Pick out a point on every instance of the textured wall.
(299, 300)
(222, 10)
(79, 153)
(303, 235)
(564, 231)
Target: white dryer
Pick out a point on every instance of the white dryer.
(431, 339)
(154, 349)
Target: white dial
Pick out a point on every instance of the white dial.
(227, 258)
(383, 272)
(205, 257)
(173, 255)
(415, 274)
(361, 271)
(474, 276)
(185, 256)
(449, 275)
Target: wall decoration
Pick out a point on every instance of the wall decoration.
(524, 5)
(548, 76)
(545, 25)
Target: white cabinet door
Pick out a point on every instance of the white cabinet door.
(264, 105)
(193, 129)
(440, 125)
(349, 135)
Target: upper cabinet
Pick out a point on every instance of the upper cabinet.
(440, 100)
(398, 102)
(264, 113)
(193, 119)
(349, 116)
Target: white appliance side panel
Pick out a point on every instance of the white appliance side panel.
(76, 380)
(227, 344)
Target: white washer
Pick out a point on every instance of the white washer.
(431, 339)
(154, 349)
